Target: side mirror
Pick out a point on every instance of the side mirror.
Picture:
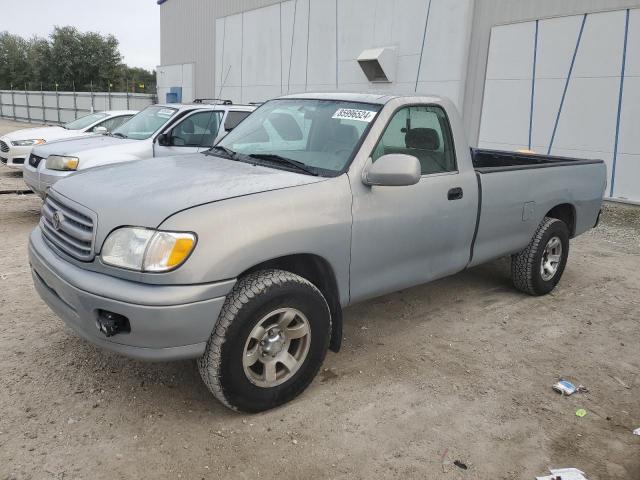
(164, 140)
(393, 170)
(101, 130)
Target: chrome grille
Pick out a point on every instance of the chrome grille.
(34, 160)
(4, 147)
(67, 228)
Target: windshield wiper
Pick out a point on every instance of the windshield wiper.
(119, 135)
(271, 157)
(230, 153)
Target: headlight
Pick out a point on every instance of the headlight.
(58, 162)
(147, 250)
(28, 143)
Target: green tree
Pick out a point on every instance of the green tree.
(14, 64)
(65, 52)
(69, 59)
(38, 59)
(139, 80)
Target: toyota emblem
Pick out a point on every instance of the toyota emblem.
(57, 220)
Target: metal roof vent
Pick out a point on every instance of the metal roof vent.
(379, 64)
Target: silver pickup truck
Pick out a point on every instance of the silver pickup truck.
(244, 256)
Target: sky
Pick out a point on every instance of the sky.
(135, 23)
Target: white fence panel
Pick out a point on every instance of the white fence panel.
(62, 107)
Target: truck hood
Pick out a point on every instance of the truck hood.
(47, 133)
(146, 192)
(84, 145)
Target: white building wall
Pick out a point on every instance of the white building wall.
(170, 76)
(313, 45)
(571, 106)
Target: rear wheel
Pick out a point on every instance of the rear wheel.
(537, 269)
(269, 341)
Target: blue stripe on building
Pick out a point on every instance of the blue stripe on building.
(533, 81)
(566, 85)
(424, 39)
(620, 95)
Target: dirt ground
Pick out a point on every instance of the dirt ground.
(12, 179)
(460, 369)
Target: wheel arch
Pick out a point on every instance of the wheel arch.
(567, 213)
(319, 272)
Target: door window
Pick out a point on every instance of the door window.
(197, 130)
(233, 119)
(422, 132)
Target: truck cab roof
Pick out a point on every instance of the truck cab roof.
(373, 98)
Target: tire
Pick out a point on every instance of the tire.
(254, 301)
(527, 266)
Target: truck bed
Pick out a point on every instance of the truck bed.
(488, 161)
(516, 190)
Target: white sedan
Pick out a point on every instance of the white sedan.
(15, 147)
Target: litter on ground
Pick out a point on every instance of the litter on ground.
(567, 388)
(564, 474)
(460, 465)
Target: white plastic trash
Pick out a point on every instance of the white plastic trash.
(565, 388)
(564, 474)
(636, 431)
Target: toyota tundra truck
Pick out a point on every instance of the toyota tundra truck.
(244, 256)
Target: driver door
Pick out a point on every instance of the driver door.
(408, 235)
(192, 134)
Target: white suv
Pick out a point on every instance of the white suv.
(15, 147)
(157, 131)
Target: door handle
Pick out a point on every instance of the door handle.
(455, 194)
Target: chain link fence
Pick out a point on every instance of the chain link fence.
(56, 107)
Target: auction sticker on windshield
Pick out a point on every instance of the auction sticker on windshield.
(354, 114)
(166, 112)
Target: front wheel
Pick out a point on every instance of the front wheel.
(537, 269)
(268, 343)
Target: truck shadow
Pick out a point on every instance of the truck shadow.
(485, 287)
(6, 172)
(167, 389)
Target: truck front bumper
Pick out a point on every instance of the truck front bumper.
(167, 322)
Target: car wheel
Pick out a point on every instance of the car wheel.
(269, 341)
(537, 269)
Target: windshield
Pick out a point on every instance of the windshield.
(321, 134)
(145, 123)
(84, 122)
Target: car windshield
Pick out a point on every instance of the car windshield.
(321, 135)
(145, 123)
(84, 122)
